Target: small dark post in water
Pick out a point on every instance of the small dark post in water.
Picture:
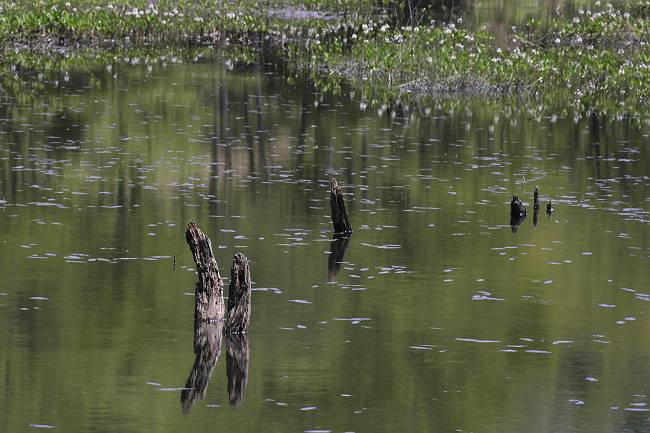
(340, 217)
(239, 296)
(208, 293)
(207, 348)
(536, 194)
(237, 357)
(517, 208)
(535, 212)
(517, 213)
(549, 208)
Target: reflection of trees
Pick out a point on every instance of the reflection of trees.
(413, 12)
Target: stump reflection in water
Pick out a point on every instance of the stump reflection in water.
(207, 348)
(237, 358)
(338, 245)
(515, 222)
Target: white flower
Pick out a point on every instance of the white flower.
(557, 41)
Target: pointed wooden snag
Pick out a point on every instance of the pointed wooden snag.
(239, 296)
(208, 293)
(340, 217)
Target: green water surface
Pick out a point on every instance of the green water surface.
(441, 317)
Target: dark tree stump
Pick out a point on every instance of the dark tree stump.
(239, 296)
(237, 357)
(208, 294)
(340, 217)
(207, 347)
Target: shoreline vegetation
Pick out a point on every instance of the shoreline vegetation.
(595, 61)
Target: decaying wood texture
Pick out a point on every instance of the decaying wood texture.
(237, 357)
(340, 217)
(207, 348)
(208, 294)
(239, 296)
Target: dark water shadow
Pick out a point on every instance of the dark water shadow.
(338, 245)
(207, 348)
(515, 222)
(535, 213)
(237, 359)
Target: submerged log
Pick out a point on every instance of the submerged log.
(239, 296)
(208, 294)
(340, 217)
(207, 348)
(338, 245)
(237, 357)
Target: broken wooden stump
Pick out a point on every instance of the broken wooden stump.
(208, 293)
(237, 357)
(239, 296)
(340, 217)
(207, 348)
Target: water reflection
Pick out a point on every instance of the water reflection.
(117, 198)
(207, 348)
(237, 358)
(516, 221)
(535, 212)
(338, 245)
(208, 339)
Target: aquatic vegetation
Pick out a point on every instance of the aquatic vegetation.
(596, 60)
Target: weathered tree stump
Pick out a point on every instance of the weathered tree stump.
(340, 217)
(207, 348)
(239, 296)
(237, 357)
(208, 294)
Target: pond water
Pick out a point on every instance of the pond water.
(441, 317)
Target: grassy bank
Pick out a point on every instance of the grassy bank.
(590, 61)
